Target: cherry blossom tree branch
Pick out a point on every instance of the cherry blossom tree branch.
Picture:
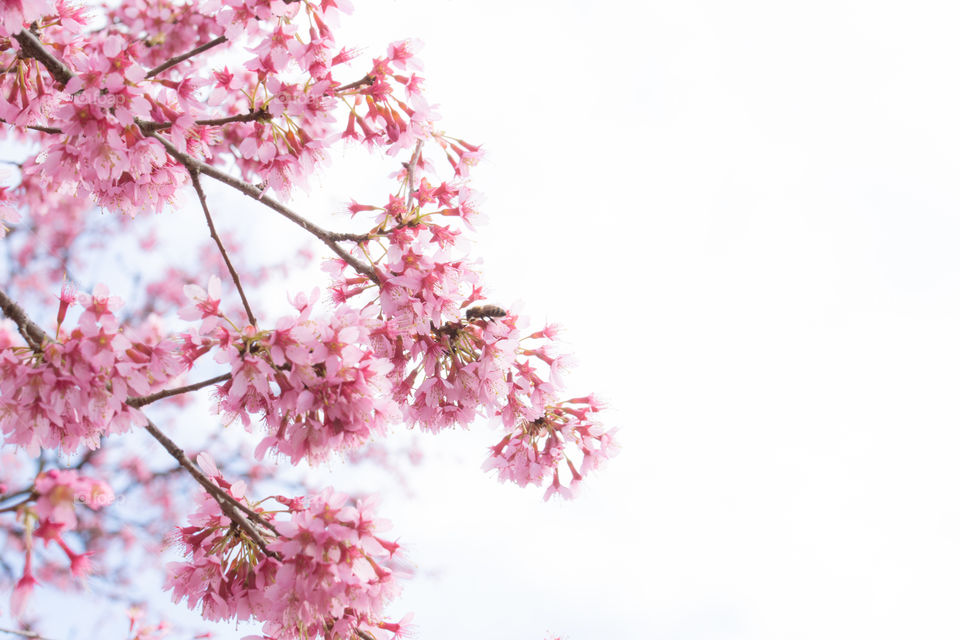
(10, 496)
(31, 47)
(61, 72)
(166, 393)
(412, 172)
(329, 238)
(195, 177)
(365, 80)
(231, 507)
(35, 127)
(30, 331)
(185, 56)
(13, 507)
(24, 634)
(259, 115)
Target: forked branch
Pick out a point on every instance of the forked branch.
(329, 238)
(195, 177)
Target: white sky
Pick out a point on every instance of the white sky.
(746, 215)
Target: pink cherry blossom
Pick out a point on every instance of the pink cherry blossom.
(92, 369)
(324, 572)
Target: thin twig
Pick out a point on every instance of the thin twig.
(166, 393)
(42, 129)
(35, 127)
(10, 496)
(329, 238)
(365, 80)
(184, 56)
(13, 507)
(259, 115)
(195, 177)
(412, 172)
(24, 634)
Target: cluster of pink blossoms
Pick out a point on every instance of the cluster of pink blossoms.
(539, 449)
(319, 570)
(105, 116)
(69, 393)
(453, 362)
(316, 383)
(59, 493)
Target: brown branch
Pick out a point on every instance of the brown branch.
(259, 115)
(195, 177)
(365, 80)
(24, 634)
(35, 49)
(31, 47)
(43, 129)
(13, 507)
(35, 127)
(166, 393)
(412, 172)
(14, 494)
(329, 238)
(185, 56)
(230, 506)
(30, 331)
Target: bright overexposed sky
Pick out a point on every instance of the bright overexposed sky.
(747, 216)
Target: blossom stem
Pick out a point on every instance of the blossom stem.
(185, 56)
(195, 176)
